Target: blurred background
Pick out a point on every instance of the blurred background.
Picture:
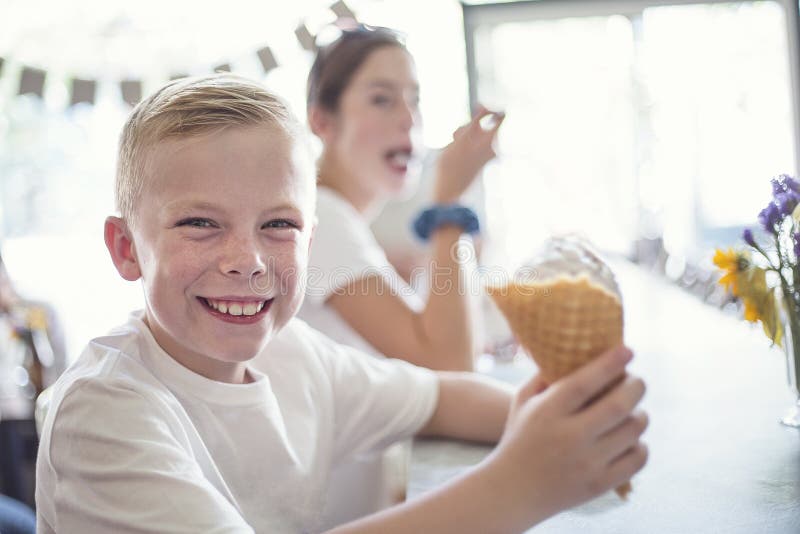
(651, 126)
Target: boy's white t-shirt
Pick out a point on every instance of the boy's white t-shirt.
(135, 442)
(345, 250)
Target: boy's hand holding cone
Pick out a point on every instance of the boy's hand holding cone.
(570, 313)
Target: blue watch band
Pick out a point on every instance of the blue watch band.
(441, 214)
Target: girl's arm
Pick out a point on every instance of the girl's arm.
(441, 335)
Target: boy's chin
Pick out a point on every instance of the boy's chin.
(246, 353)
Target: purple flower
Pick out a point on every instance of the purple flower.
(796, 243)
(786, 202)
(747, 235)
(783, 184)
(768, 217)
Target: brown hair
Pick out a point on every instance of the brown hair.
(337, 62)
(189, 107)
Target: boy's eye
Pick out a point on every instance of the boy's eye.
(196, 222)
(281, 223)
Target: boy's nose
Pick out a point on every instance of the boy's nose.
(243, 258)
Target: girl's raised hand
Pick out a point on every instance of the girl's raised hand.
(461, 161)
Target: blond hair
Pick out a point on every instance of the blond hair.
(190, 107)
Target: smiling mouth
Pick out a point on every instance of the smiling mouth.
(236, 308)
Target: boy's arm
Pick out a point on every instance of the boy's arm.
(563, 445)
(470, 407)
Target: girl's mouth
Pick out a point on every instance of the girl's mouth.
(398, 159)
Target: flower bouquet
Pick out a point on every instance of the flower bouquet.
(769, 285)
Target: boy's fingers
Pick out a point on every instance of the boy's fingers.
(626, 465)
(572, 392)
(531, 388)
(613, 407)
(623, 437)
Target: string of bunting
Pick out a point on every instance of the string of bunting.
(83, 90)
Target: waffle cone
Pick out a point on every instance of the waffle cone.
(562, 323)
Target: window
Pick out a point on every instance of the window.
(633, 119)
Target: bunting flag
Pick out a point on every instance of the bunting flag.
(267, 59)
(32, 81)
(83, 91)
(342, 11)
(131, 91)
(305, 38)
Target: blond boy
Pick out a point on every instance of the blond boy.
(162, 426)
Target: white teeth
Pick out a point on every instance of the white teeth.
(234, 308)
(399, 158)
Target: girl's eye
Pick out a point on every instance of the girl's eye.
(381, 100)
(196, 222)
(281, 223)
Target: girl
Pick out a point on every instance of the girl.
(363, 99)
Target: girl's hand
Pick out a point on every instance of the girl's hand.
(461, 161)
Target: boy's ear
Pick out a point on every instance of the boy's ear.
(321, 122)
(120, 246)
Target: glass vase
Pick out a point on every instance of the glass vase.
(791, 347)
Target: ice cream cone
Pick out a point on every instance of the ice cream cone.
(565, 320)
(563, 323)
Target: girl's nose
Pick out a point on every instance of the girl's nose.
(409, 112)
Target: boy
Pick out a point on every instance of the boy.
(161, 425)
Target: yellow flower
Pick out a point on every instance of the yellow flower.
(734, 263)
(749, 283)
(751, 311)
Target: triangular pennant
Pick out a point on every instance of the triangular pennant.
(305, 38)
(32, 81)
(267, 59)
(342, 10)
(131, 91)
(83, 91)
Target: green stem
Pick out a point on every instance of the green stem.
(772, 266)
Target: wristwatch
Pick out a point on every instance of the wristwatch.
(441, 214)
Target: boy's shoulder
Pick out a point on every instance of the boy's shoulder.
(306, 354)
(110, 371)
(118, 356)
